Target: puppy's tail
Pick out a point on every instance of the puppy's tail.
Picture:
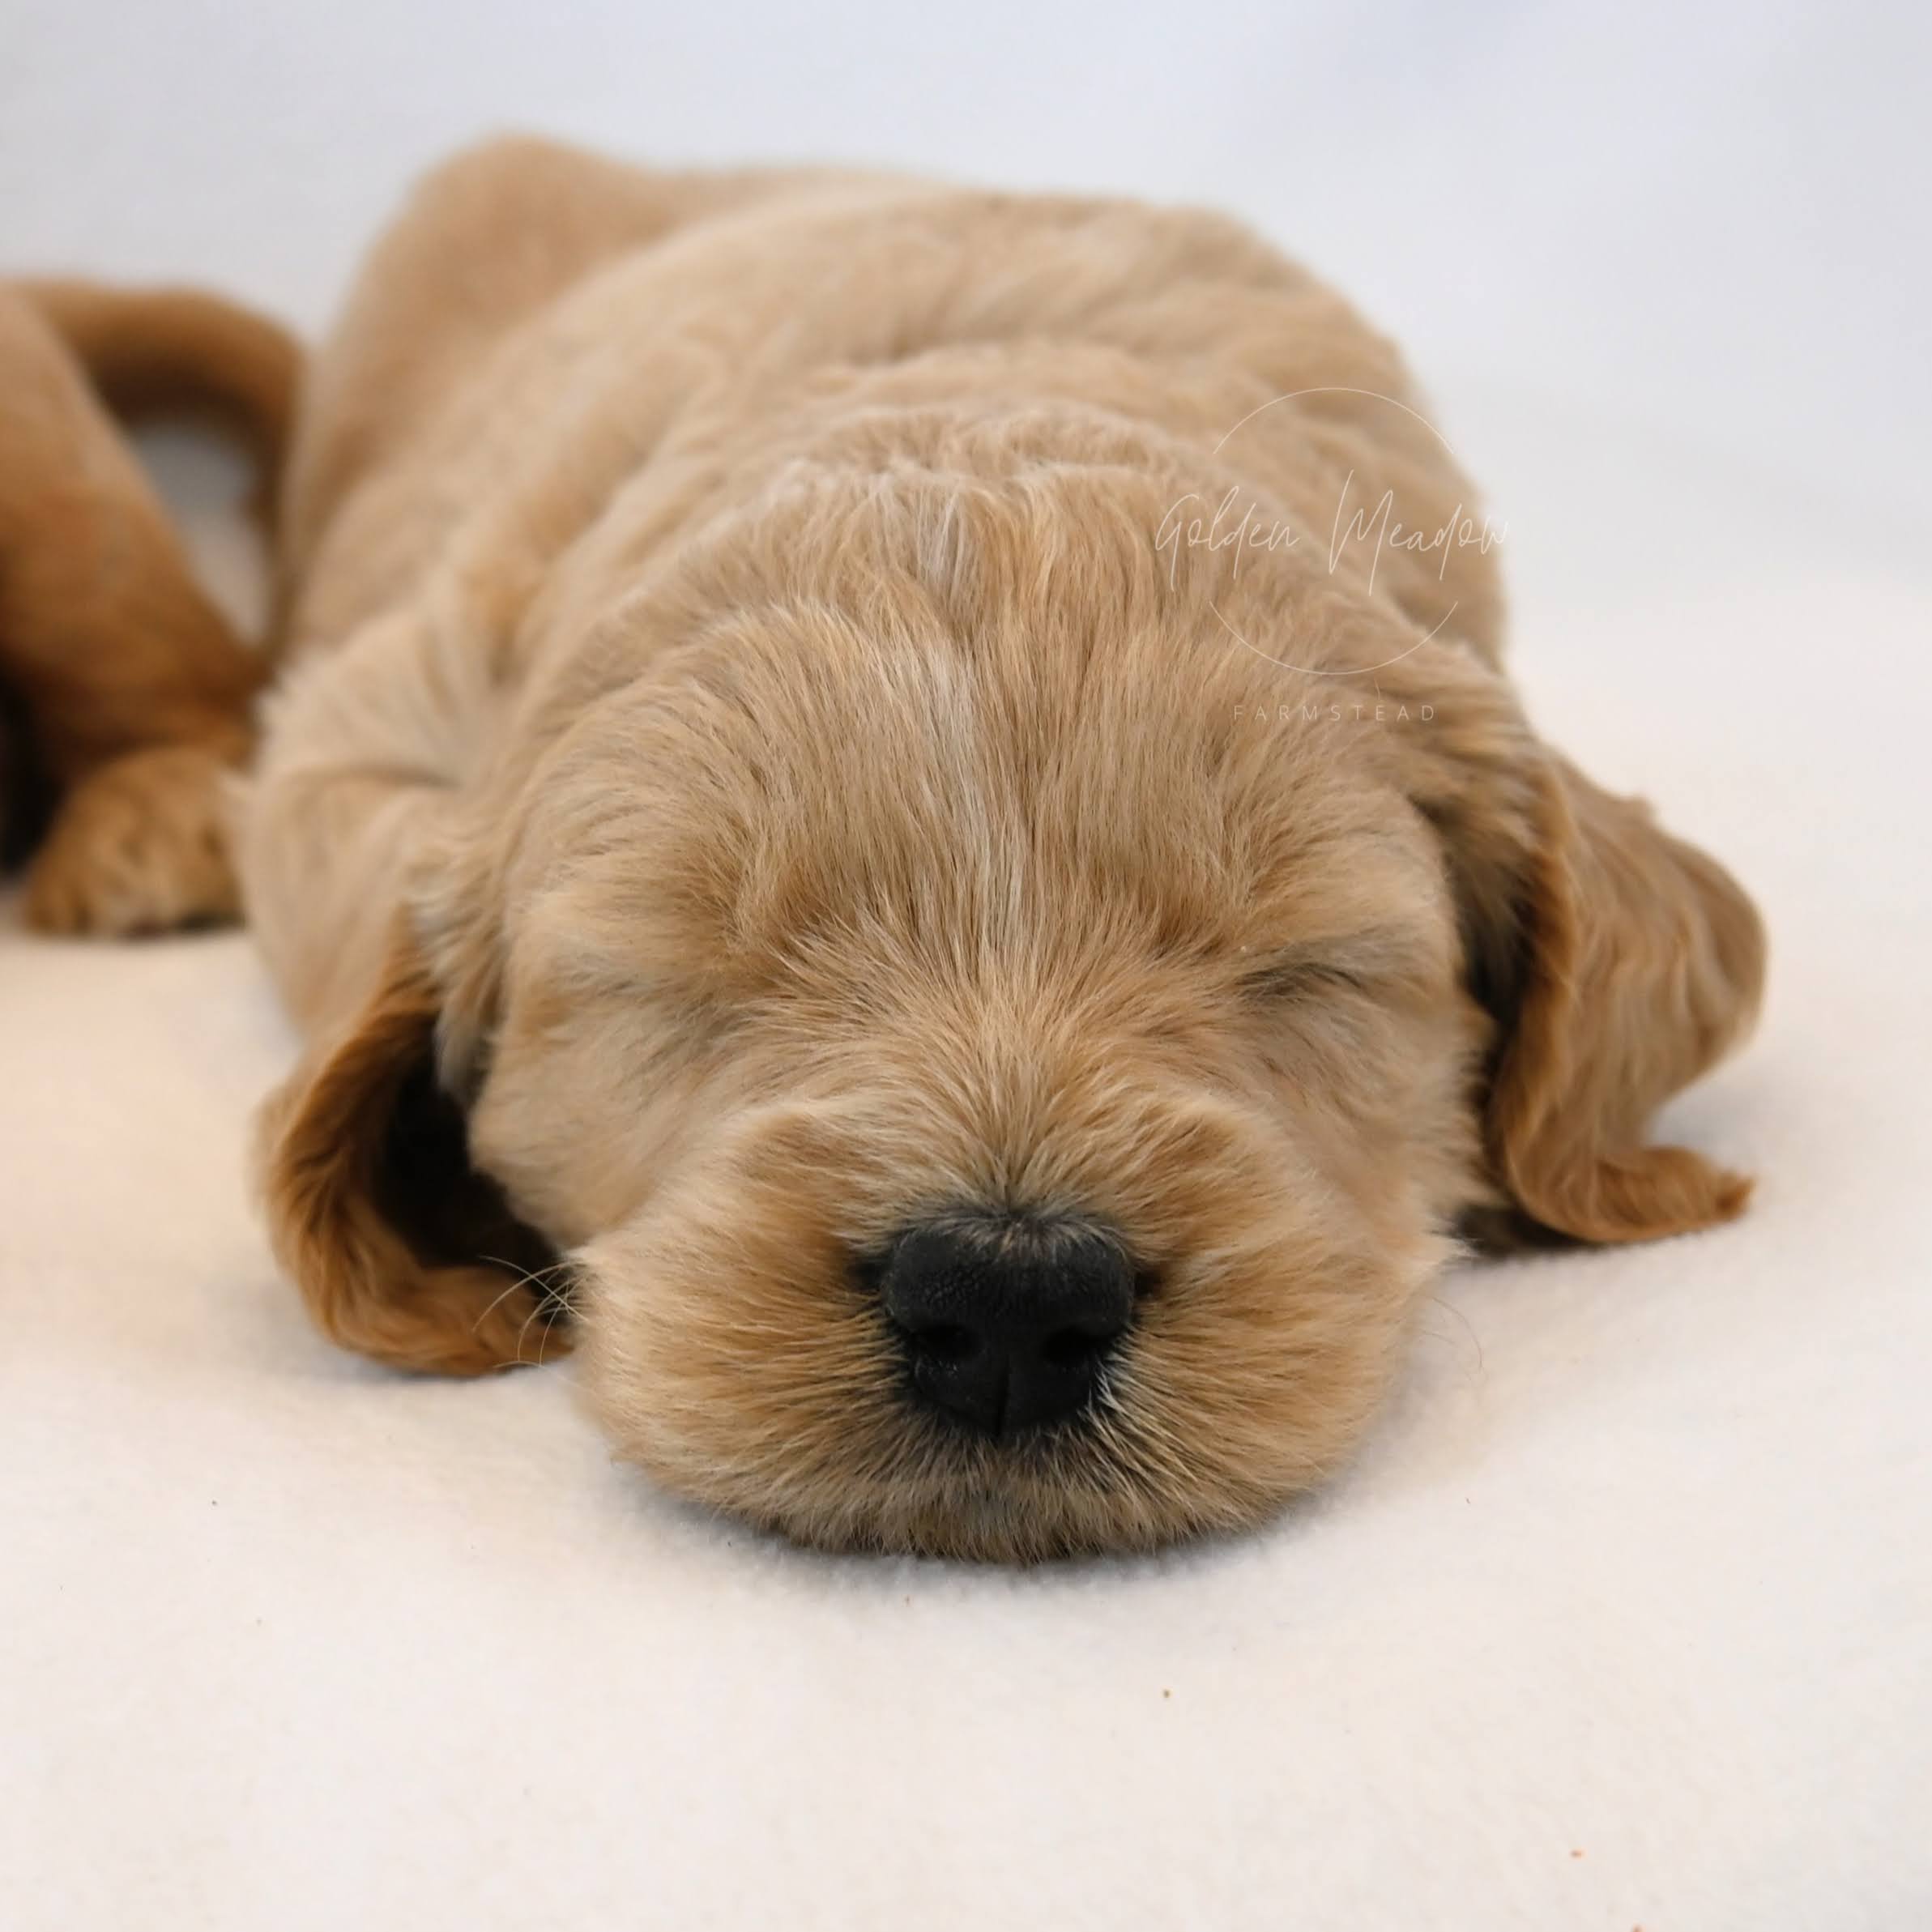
(179, 352)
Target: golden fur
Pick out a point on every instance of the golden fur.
(753, 772)
(129, 696)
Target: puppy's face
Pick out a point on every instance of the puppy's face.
(999, 1080)
(976, 1132)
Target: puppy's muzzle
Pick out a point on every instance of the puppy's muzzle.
(1007, 1320)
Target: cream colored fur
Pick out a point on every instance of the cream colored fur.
(758, 765)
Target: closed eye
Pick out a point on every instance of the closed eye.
(1297, 975)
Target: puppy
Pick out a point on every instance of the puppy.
(125, 695)
(979, 1016)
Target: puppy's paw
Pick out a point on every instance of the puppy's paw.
(140, 845)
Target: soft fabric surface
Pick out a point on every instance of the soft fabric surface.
(1623, 1618)
(1635, 1566)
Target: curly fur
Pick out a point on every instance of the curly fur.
(751, 774)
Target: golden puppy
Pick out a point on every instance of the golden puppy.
(785, 802)
(127, 695)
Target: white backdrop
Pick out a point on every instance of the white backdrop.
(1625, 1618)
(1714, 214)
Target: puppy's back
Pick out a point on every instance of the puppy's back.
(541, 324)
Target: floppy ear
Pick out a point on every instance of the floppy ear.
(402, 1250)
(1641, 965)
(1618, 963)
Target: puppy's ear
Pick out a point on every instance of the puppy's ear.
(1618, 963)
(402, 1250)
(1639, 964)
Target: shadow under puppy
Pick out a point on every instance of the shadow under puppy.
(997, 1013)
(126, 698)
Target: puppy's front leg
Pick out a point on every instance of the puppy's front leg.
(365, 760)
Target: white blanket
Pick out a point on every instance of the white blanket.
(1622, 1618)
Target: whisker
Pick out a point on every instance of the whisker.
(536, 1310)
(496, 1304)
(1468, 1326)
(524, 1277)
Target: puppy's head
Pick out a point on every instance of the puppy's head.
(999, 1057)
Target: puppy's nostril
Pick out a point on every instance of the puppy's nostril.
(1006, 1321)
(1070, 1346)
(947, 1342)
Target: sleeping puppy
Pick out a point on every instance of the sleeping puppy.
(811, 867)
(125, 696)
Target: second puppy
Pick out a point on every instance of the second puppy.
(124, 694)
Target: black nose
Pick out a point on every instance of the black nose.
(1006, 1320)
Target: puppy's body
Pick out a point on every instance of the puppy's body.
(757, 747)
